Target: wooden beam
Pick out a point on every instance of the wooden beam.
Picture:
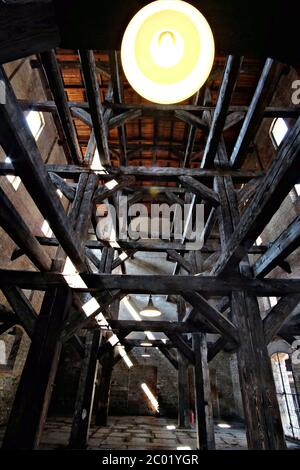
(55, 80)
(117, 98)
(208, 285)
(88, 65)
(85, 393)
(151, 109)
(278, 315)
(255, 370)
(229, 80)
(104, 192)
(19, 232)
(123, 118)
(217, 319)
(165, 352)
(264, 428)
(23, 430)
(168, 173)
(281, 177)
(204, 412)
(158, 326)
(22, 308)
(279, 250)
(215, 348)
(247, 192)
(182, 346)
(18, 142)
(104, 389)
(67, 190)
(191, 119)
(263, 94)
(204, 192)
(27, 28)
(184, 263)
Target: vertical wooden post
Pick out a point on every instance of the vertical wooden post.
(35, 387)
(85, 392)
(183, 379)
(104, 389)
(204, 414)
(262, 415)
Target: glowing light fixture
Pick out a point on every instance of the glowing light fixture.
(150, 310)
(224, 426)
(167, 51)
(145, 345)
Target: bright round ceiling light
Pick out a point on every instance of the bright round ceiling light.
(167, 51)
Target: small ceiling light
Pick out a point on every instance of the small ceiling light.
(167, 51)
(224, 426)
(150, 310)
(146, 355)
(145, 345)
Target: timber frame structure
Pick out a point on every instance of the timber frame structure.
(240, 201)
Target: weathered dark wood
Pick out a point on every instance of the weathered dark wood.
(155, 172)
(184, 263)
(118, 98)
(200, 190)
(182, 346)
(19, 232)
(7, 325)
(247, 192)
(264, 428)
(215, 348)
(151, 325)
(121, 119)
(203, 404)
(26, 29)
(255, 371)
(281, 248)
(263, 94)
(165, 352)
(85, 392)
(168, 173)
(103, 192)
(23, 430)
(191, 119)
(54, 77)
(83, 221)
(88, 65)
(145, 284)
(22, 307)
(281, 177)
(67, 190)
(278, 315)
(104, 389)
(219, 117)
(217, 319)
(18, 142)
(150, 109)
(83, 115)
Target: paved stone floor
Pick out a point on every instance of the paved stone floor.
(140, 432)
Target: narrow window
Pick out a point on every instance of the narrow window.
(36, 123)
(278, 131)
